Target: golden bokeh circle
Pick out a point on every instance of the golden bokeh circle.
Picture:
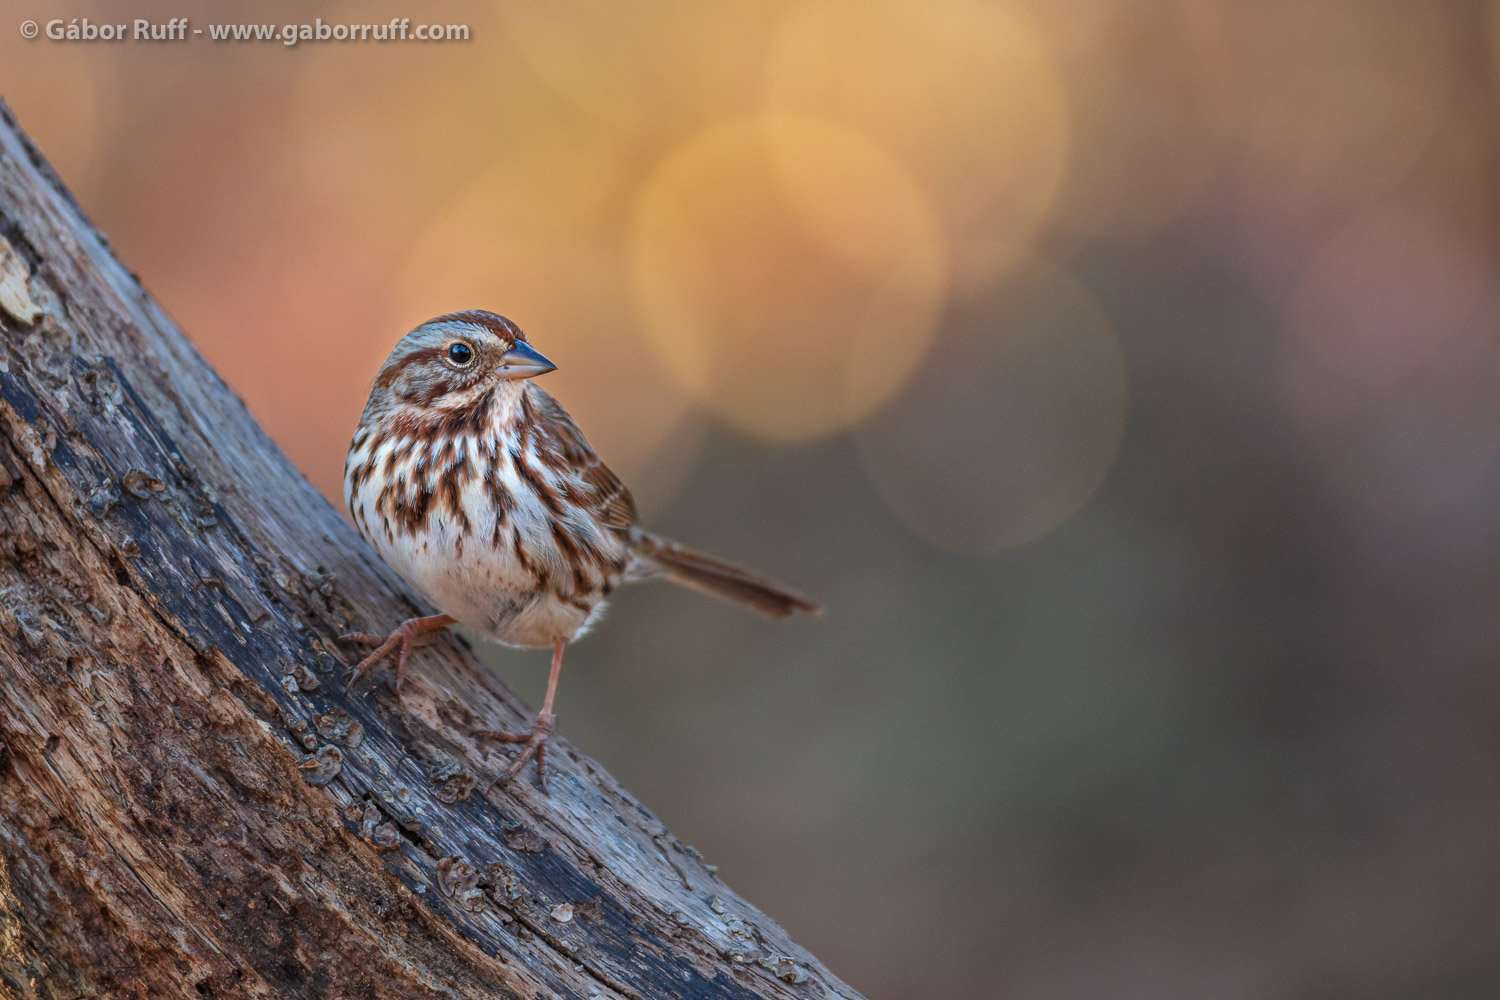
(966, 94)
(656, 71)
(386, 134)
(788, 272)
(1013, 423)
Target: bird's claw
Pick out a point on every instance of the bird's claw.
(535, 746)
(406, 635)
(398, 642)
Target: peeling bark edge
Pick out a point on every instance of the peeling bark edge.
(189, 805)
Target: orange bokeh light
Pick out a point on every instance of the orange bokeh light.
(966, 94)
(788, 272)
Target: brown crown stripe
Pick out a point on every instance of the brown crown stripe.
(498, 325)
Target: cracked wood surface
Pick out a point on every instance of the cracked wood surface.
(189, 805)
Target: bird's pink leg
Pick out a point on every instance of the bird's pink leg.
(412, 632)
(535, 738)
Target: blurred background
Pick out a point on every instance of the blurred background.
(1124, 375)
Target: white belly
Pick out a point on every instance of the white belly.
(488, 593)
(468, 566)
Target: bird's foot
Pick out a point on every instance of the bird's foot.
(535, 746)
(410, 633)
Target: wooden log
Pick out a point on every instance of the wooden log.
(189, 804)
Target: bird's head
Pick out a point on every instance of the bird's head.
(458, 359)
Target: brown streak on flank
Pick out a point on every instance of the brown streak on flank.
(543, 491)
(475, 414)
(526, 423)
(356, 476)
(566, 451)
(555, 461)
(397, 454)
(450, 496)
(522, 556)
(391, 497)
(595, 556)
(573, 554)
(499, 497)
(411, 510)
(498, 325)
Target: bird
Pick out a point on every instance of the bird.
(476, 487)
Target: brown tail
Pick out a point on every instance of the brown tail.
(694, 569)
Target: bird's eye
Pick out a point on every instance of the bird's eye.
(460, 354)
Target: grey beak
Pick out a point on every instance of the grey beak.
(524, 361)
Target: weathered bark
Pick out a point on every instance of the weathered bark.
(189, 805)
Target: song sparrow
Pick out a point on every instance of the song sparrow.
(478, 488)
